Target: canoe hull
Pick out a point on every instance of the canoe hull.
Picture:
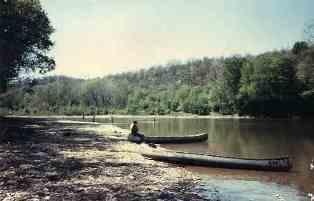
(176, 139)
(275, 164)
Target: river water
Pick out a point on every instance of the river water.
(245, 138)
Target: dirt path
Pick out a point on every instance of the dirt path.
(44, 159)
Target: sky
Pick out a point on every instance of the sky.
(94, 38)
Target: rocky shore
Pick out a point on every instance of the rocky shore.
(47, 159)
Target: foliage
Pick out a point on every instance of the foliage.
(269, 85)
(24, 39)
(277, 84)
(299, 47)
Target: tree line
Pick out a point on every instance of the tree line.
(272, 84)
(275, 83)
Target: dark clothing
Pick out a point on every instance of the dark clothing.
(134, 129)
(139, 135)
(136, 137)
(136, 134)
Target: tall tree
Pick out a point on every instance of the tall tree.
(232, 75)
(299, 47)
(24, 39)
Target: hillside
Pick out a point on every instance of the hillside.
(263, 85)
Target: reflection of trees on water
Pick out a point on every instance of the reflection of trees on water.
(249, 138)
(174, 127)
(244, 138)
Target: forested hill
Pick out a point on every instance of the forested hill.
(277, 83)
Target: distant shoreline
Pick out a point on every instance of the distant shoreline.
(151, 117)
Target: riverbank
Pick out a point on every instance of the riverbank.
(50, 159)
(156, 117)
(150, 117)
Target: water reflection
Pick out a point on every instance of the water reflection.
(243, 190)
(244, 138)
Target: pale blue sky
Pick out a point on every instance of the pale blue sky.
(99, 37)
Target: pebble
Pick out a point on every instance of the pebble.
(312, 166)
(25, 166)
(11, 182)
(41, 154)
(311, 196)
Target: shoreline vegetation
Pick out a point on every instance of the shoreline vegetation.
(44, 155)
(113, 117)
(90, 117)
(274, 84)
(47, 159)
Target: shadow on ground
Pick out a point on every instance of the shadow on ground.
(34, 166)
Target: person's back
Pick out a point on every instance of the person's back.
(135, 136)
(134, 128)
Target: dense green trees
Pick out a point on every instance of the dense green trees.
(228, 85)
(268, 85)
(277, 84)
(24, 39)
(305, 74)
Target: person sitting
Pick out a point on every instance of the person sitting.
(135, 136)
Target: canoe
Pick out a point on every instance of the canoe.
(272, 164)
(176, 139)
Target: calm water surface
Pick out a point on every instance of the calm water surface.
(245, 138)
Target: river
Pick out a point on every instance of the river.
(250, 138)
